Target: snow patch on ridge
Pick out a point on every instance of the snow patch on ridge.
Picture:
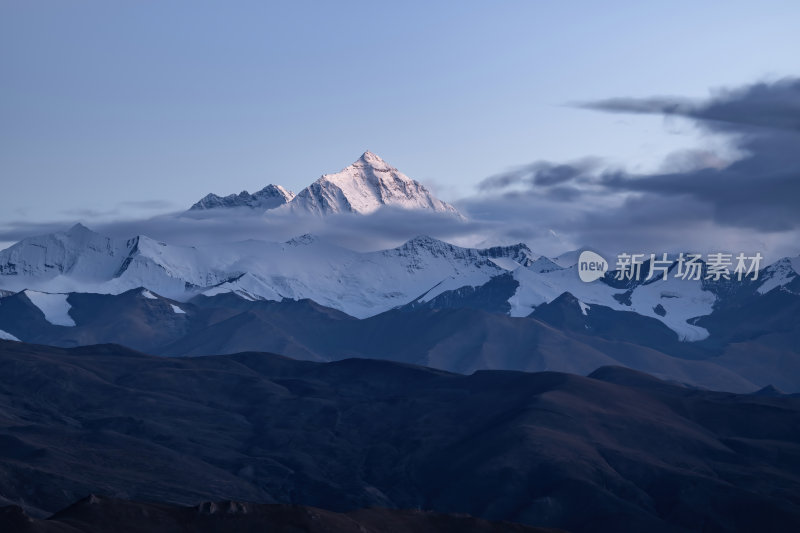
(682, 300)
(249, 287)
(505, 263)
(8, 336)
(54, 306)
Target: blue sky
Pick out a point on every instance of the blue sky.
(112, 109)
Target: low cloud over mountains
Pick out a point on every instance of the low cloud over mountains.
(700, 200)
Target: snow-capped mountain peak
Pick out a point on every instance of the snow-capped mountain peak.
(373, 160)
(544, 265)
(364, 187)
(273, 196)
(780, 274)
(79, 230)
(78, 252)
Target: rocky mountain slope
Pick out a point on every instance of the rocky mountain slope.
(615, 451)
(742, 355)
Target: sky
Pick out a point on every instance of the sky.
(115, 111)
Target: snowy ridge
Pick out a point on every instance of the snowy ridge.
(424, 246)
(682, 300)
(7, 336)
(359, 284)
(361, 188)
(269, 197)
(78, 253)
(675, 302)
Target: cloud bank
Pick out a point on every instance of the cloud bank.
(699, 201)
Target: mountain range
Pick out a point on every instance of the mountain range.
(269, 197)
(360, 284)
(615, 451)
(367, 185)
(421, 387)
(426, 301)
(464, 331)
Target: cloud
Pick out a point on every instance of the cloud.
(17, 230)
(759, 191)
(699, 199)
(542, 173)
(774, 105)
(385, 228)
(152, 205)
(141, 207)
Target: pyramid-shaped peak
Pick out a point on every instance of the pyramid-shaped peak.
(274, 191)
(78, 229)
(371, 159)
(769, 390)
(79, 232)
(364, 187)
(272, 188)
